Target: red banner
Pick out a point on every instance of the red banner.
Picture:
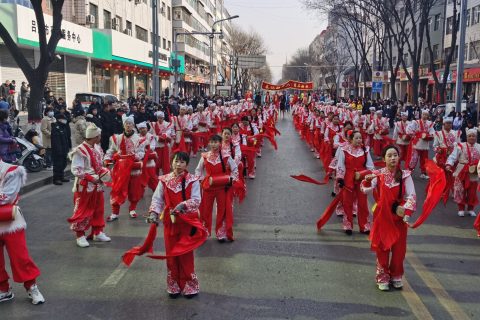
(288, 85)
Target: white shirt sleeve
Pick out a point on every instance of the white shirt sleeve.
(158, 203)
(199, 171)
(453, 157)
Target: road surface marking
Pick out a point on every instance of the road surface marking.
(416, 305)
(450, 305)
(116, 276)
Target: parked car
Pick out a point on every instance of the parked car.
(86, 98)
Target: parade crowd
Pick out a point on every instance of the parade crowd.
(127, 150)
(361, 154)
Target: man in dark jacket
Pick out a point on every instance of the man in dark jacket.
(107, 117)
(61, 144)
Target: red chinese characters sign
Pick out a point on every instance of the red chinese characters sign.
(288, 85)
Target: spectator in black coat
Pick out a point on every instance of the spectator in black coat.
(94, 117)
(61, 144)
(107, 117)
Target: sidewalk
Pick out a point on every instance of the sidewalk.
(37, 180)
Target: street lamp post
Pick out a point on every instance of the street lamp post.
(211, 36)
(461, 56)
(155, 77)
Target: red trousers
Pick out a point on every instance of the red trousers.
(181, 276)
(195, 144)
(224, 221)
(88, 212)
(377, 147)
(23, 268)
(423, 156)
(470, 200)
(163, 160)
(348, 199)
(135, 193)
(390, 262)
(403, 151)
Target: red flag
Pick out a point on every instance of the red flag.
(305, 178)
(436, 187)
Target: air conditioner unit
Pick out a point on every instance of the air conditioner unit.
(90, 19)
(128, 31)
(138, 1)
(115, 23)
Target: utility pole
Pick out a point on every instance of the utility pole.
(155, 73)
(461, 56)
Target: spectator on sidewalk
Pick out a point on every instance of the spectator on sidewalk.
(5, 90)
(94, 116)
(7, 141)
(79, 127)
(46, 129)
(24, 92)
(61, 144)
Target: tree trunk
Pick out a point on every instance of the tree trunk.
(35, 105)
(415, 83)
(393, 90)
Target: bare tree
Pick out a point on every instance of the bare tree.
(244, 43)
(298, 68)
(37, 77)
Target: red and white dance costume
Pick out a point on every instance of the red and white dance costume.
(172, 191)
(422, 132)
(389, 231)
(183, 132)
(318, 126)
(350, 160)
(214, 118)
(445, 141)
(126, 174)
(12, 233)
(402, 139)
(147, 143)
(360, 122)
(88, 211)
(212, 165)
(233, 150)
(465, 175)
(380, 128)
(249, 131)
(163, 132)
(331, 131)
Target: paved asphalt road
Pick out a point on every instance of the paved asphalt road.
(279, 267)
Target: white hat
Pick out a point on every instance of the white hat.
(160, 114)
(447, 119)
(189, 107)
(379, 112)
(129, 119)
(183, 107)
(472, 131)
(372, 109)
(92, 131)
(425, 111)
(142, 125)
(404, 114)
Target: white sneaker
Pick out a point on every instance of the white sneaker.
(472, 213)
(133, 214)
(461, 213)
(397, 284)
(112, 217)
(6, 296)
(35, 295)
(101, 237)
(383, 286)
(82, 242)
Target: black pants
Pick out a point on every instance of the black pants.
(59, 165)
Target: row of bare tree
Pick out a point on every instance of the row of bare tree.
(392, 29)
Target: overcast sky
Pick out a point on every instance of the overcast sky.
(285, 25)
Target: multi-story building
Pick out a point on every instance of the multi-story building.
(199, 16)
(107, 45)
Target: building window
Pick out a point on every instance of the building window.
(141, 33)
(169, 12)
(164, 43)
(468, 18)
(405, 59)
(435, 52)
(169, 45)
(475, 14)
(426, 56)
(128, 28)
(118, 22)
(177, 14)
(474, 50)
(164, 9)
(107, 19)
(436, 25)
(94, 13)
(449, 25)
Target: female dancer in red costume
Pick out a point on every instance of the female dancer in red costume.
(396, 201)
